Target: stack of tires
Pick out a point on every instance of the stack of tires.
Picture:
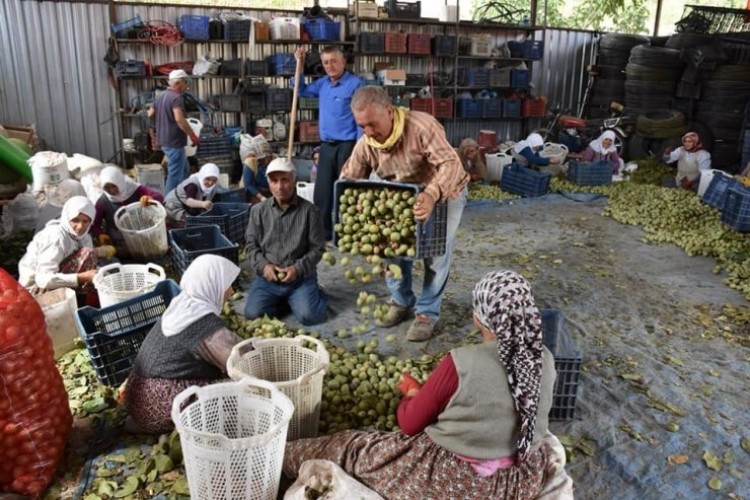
(609, 85)
(656, 131)
(701, 54)
(651, 74)
(721, 109)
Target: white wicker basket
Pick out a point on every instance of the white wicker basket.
(144, 229)
(295, 366)
(116, 282)
(552, 150)
(233, 436)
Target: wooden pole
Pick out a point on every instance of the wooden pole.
(293, 112)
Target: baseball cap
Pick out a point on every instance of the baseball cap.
(178, 74)
(280, 165)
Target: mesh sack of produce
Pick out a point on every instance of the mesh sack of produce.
(34, 413)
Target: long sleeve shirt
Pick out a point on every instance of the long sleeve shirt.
(40, 265)
(285, 236)
(702, 156)
(105, 209)
(612, 157)
(335, 118)
(417, 412)
(422, 156)
(533, 158)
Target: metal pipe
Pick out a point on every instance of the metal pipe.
(658, 17)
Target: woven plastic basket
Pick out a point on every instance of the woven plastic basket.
(116, 282)
(295, 366)
(552, 150)
(144, 229)
(233, 436)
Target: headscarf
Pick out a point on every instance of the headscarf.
(74, 206)
(504, 304)
(207, 170)
(399, 120)
(125, 185)
(697, 138)
(477, 161)
(596, 144)
(532, 141)
(203, 285)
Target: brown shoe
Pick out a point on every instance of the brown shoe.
(395, 315)
(421, 329)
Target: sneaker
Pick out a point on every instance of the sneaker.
(395, 315)
(421, 329)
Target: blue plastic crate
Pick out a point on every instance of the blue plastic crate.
(431, 235)
(230, 196)
(469, 108)
(512, 108)
(194, 27)
(736, 211)
(372, 43)
(113, 335)
(524, 181)
(597, 173)
(282, 64)
(188, 243)
(124, 29)
(214, 145)
(473, 77)
(322, 29)
(568, 360)
(528, 49)
(237, 30)
(492, 108)
(444, 45)
(716, 192)
(232, 219)
(519, 78)
(234, 134)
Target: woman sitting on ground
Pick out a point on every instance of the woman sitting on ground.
(603, 148)
(62, 254)
(477, 424)
(189, 345)
(472, 161)
(254, 170)
(525, 153)
(119, 191)
(193, 195)
(691, 160)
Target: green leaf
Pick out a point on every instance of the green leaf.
(128, 488)
(745, 444)
(736, 473)
(94, 405)
(714, 483)
(712, 461)
(728, 457)
(151, 476)
(117, 458)
(92, 496)
(587, 447)
(106, 488)
(631, 376)
(163, 463)
(673, 427)
(79, 391)
(180, 486)
(106, 472)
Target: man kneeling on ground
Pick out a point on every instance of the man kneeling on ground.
(285, 242)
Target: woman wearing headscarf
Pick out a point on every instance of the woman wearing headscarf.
(525, 153)
(62, 254)
(475, 427)
(468, 152)
(691, 160)
(254, 170)
(603, 149)
(119, 191)
(193, 195)
(188, 345)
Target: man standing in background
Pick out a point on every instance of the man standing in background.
(172, 128)
(338, 130)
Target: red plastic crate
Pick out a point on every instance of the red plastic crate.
(534, 108)
(439, 107)
(395, 42)
(309, 132)
(418, 43)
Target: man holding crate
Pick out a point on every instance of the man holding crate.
(410, 147)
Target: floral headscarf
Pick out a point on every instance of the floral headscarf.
(504, 304)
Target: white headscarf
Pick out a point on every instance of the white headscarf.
(203, 286)
(207, 170)
(532, 141)
(125, 185)
(74, 206)
(596, 144)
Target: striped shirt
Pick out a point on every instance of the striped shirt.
(285, 237)
(422, 156)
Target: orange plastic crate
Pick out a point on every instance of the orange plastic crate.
(418, 43)
(438, 107)
(395, 43)
(309, 132)
(534, 108)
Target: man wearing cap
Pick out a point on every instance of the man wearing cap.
(338, 130)
(285, 242)
(172, 128)
(254, 167)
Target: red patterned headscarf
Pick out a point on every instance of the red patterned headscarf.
(696, 141)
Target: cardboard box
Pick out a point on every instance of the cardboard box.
(392, 77)
(25, 133)
(366, 9)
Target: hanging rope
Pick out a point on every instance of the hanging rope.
(161, 33)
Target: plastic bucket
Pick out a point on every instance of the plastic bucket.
(197, 126)
(495, 164)
(59, 308)
(295, 366)
(117, 283)
(144, 229)
(233, 436)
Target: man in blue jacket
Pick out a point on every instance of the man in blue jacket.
(338, 130)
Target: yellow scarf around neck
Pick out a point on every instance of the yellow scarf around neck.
(399, 119)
